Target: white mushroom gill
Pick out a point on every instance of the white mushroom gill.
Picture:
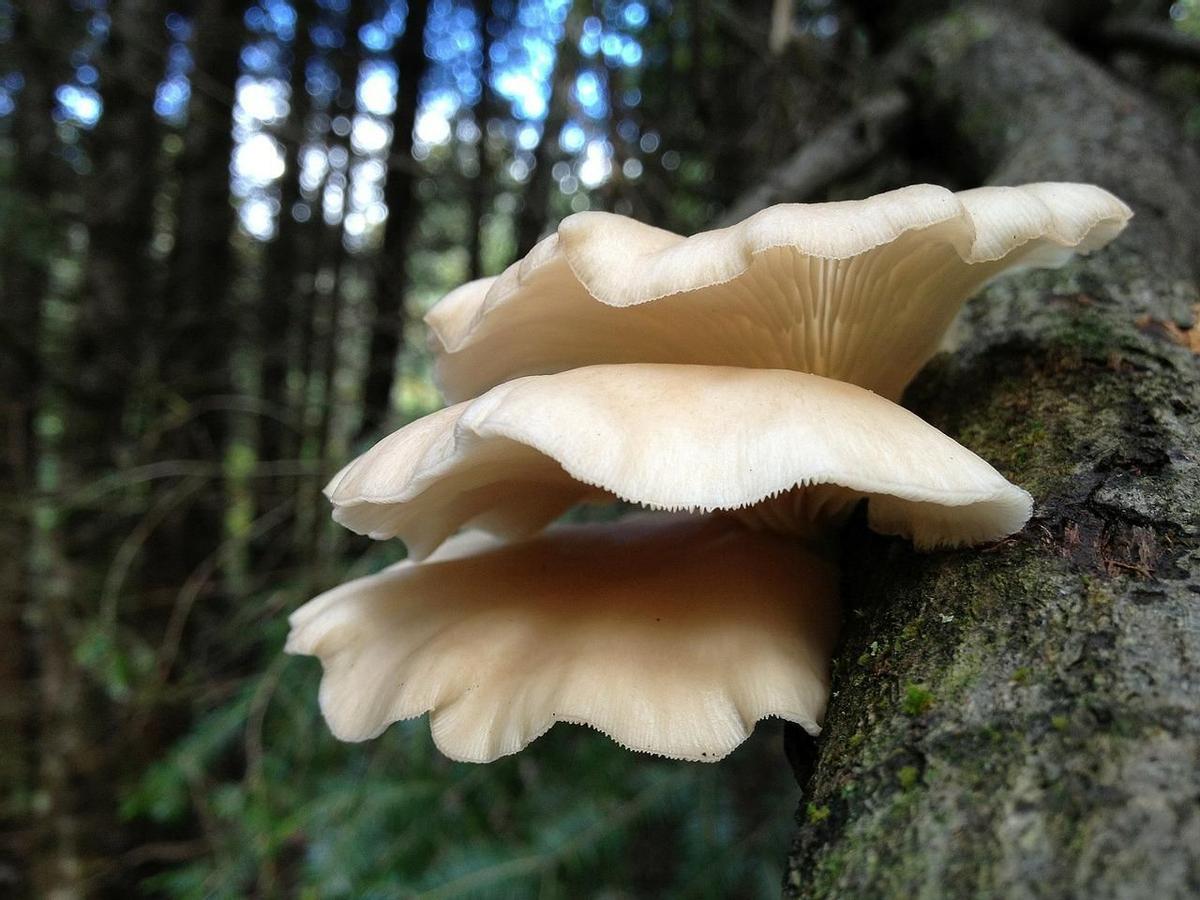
(861, 291)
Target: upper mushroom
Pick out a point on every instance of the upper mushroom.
(860, 291)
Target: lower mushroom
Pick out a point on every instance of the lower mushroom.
(671, 633)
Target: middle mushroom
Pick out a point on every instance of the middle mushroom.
(672, 635)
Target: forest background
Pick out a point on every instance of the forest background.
(220, 224)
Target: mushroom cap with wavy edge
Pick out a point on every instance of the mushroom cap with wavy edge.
(695, 438)
(861, 291)
(671, 634)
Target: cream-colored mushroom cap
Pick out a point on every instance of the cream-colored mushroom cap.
(671, 634)
(674, 437)
(860, 291)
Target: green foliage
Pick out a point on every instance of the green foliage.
(908, 776)
(288, 810)
(917, 699)
(115, 661)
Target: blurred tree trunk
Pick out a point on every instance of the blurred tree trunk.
(286, 277)
(484, 110)
(26, 253)
(335, 261)
(197, 317)
(111, 334)
(196, 339)
(76, 826)
(333, 250)
(535, 205)
(390, 274)
(1024, 721)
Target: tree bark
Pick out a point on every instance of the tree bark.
(390, 277)
(1023, 721)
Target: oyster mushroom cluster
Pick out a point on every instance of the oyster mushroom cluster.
(740, 385)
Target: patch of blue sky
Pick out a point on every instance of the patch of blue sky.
(326, 37)
(375, 37)
(260, 57)
(319, 78)
(179, 27)
(635, 14)
(78, 104)
(433, 120)
(591, 94)
(572, 138)
(98, 25)
(171, 98)
(260, 101)
(179, 59)
(377, 87)
(527, 137)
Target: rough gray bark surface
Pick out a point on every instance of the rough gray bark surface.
(1024, 721)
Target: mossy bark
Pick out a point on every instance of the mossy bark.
(1024, 720)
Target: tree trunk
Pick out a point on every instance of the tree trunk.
(197, 310)
(118, 211)
(390, 280)
(194, 346)
(535, 204)
(282, 287)
(1023, 721)
(26, 253)
(334, 265)
(75, 825)
(481, 184)
(334, 255)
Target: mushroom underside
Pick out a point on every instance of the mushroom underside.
(793, 451)
(671, 634)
